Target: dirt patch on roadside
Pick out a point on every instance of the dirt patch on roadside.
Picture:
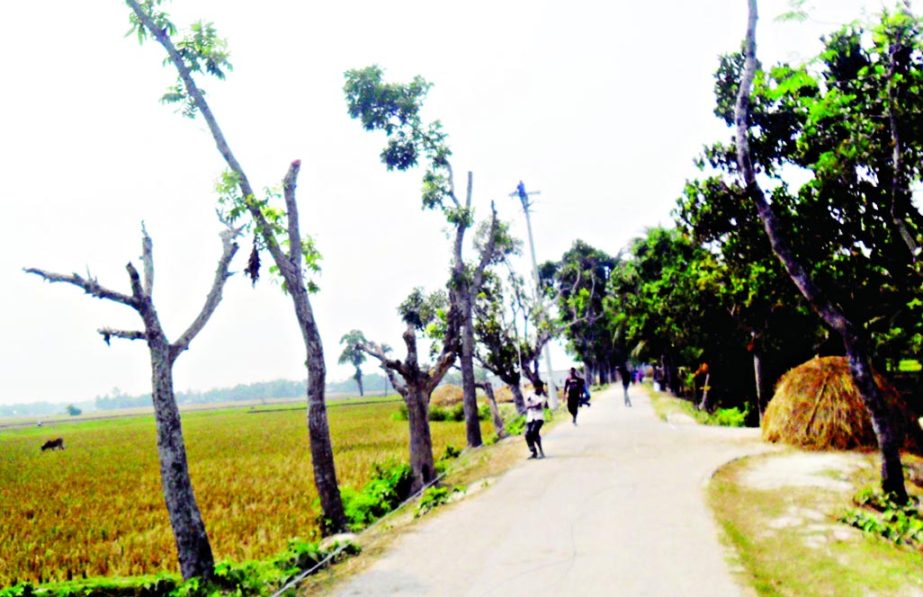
(822, 470)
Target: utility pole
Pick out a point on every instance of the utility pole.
(540, 299)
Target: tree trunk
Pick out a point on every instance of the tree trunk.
(759, 379)
(318, 430)
(518, 400)
(466, 362)
(359, 382)
(704, 405)
(494, 410)
(421, 443)
(192, 546)
(886, 431)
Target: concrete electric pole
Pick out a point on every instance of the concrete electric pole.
(540, 299)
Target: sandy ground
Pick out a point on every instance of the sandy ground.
(616, 508)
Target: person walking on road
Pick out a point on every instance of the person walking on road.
(573, 389)
(535, 418)
(626, 381)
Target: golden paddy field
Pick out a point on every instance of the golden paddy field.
(96, 508)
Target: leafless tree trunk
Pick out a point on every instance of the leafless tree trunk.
(290, 268)
(886, 429)
(192, 545)
(494, 409)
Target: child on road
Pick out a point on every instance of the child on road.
(535, 418)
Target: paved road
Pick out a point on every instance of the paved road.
(616, 508)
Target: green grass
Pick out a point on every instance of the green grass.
(665, 405)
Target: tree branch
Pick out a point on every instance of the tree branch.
(291, 209)
(899, 182)
(377, 352)
(452, 196)
(831, 315)
(229, 248)
(109, 333)
(89, 285)
(223, 148)
(147, 258)
(487, 254)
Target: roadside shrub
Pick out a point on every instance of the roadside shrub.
(730, 417)
(433, 497)
(516, 425)
(390, 485)
(878, 514)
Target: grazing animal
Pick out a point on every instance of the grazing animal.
(53, 443)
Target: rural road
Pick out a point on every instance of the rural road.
(616, 508)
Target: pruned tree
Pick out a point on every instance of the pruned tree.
(855, 339)
(352, 355)
(192, 546)
(414, 380)
(276, 230)
(395, 109)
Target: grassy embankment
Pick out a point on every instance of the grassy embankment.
(790, 541)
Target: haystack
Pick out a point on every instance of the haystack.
(446, 395)
(504, 394)
(816, 406)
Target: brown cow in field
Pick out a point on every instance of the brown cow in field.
(53, 443)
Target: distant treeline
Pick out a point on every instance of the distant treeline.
(264, 390)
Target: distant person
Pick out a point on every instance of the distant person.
(585, 398)
(625, 374)
(535, 418)
(573, 389)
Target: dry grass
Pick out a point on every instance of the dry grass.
(816, 406)
(96, 508)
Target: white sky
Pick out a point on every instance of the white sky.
(600, 105)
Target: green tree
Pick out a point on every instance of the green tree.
(353, 355)
(415, 381)
(276, 229)
(73, 410)
(394, 108)
(578, 284)
(849, 128)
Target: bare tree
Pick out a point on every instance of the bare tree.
(854, 337)
(192, 545)
(207, 54)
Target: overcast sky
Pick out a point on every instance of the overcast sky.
(600, 105)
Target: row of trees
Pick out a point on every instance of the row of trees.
(760, 273)
(271, 220)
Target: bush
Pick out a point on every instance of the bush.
(433, 497)
(516, 425)
(390, 485)
(730, 417)
(879, 514)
